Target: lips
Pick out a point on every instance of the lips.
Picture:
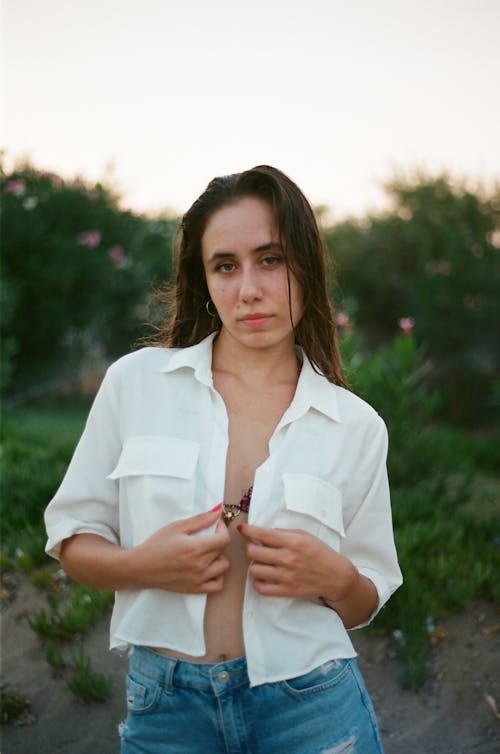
(256, 319)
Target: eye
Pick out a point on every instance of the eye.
(225, 267)
(271, 261)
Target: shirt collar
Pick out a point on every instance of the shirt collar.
(313, 389)
(197, 357)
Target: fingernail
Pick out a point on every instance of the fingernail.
(239, 527)
(217, 508)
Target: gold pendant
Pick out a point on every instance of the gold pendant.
(229, 513)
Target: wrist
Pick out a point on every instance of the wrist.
(345, 588)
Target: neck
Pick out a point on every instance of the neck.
(255, 365)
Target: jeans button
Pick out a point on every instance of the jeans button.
(223, 676)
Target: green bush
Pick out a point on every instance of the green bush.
(433, 257)
(393, 381)
(37, 444)
(76, 276)
(449, 555)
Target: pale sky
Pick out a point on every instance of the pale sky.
(337, 93)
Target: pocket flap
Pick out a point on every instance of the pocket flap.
(314, 497)
(158, 456)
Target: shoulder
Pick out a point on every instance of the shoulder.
(138, 368)
(150, 358)
(355, 410)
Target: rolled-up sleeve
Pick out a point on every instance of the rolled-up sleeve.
(369, 538)
(86, 501)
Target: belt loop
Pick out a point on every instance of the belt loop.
(169, 675)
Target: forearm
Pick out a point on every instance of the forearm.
(94, 561)
(359, 602)
(172, 558)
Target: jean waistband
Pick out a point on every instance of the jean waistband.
(171, 673)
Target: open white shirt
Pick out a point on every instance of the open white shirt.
(154, 451)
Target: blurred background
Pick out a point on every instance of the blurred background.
(117, 113)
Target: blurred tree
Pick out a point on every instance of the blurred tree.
(77, 272)
(434, 260)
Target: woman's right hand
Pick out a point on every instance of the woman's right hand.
(175, 557)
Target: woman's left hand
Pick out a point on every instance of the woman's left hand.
(293, 563)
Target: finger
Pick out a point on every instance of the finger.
(269, 555)
(267, 537)
(222, 529)
(269, 574)
(201, 521)
(212, 586)
(217, 568)
(272, 590)
(220, 539)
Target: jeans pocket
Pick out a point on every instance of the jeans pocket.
(320, 679)
(143, 694)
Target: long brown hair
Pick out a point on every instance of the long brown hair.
(305, 255)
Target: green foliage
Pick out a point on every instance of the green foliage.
(433, 257)
(77, 272)
(55, 657)
(63, 621)
(448, 553)
(13, 706)
(85, 683)
(393, 381)
(37, 443)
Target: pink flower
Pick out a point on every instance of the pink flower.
(16, 186)
(116, 253)
(406, 325)
(117, 256)
(342, 320)
(90, 238)
(443, 267)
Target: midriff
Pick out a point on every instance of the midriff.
(224, 610)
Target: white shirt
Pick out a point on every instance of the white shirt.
(154, 451)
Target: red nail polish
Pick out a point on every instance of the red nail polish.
(216, 508)
(239, 527)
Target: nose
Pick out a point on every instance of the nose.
(250, 289)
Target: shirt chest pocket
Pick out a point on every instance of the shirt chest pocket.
(157, 484)
(313, 505)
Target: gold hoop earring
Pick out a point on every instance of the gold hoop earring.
(207, 307)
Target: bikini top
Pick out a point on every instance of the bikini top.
(230, 511)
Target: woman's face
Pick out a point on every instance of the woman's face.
(247, 276)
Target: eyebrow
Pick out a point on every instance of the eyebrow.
(258, 249)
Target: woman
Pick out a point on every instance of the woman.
(236, 612)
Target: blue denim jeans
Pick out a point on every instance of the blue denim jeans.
(179, 707)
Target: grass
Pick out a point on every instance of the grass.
(14, 706)
(85, 683)
(72, 616)
(37, 443)
(445, 496)
(447, 532)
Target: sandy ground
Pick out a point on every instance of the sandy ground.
(448, 715)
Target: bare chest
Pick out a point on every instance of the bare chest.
(252, 421)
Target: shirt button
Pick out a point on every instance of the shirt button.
(223, 676)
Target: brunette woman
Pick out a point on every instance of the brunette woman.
(233, 492)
